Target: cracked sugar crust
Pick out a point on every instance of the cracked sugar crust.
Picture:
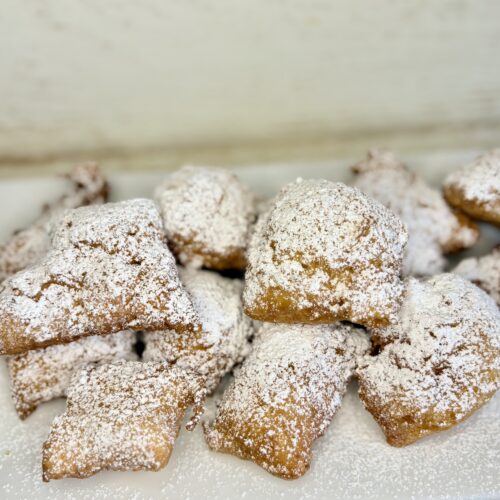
(433, 227)
(285, 394)
(44, 374)
(484, 272)
(224, 338)
(207, 214)
(86, 186)
(325, 252)
(108, 270)
(438, 364)
(475, 188)
(122, 416)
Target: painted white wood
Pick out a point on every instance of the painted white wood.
(80, 77)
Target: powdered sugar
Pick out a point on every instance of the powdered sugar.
(442, 356)
(330, 251)
(432, 226)
(480, 180)
(267, 371)
(483, 272)
(207, 215)
(223, 341)
(44, 374)
(122, 416)
(285, 394)
(108, 270)
(351, 461)
(26, 247)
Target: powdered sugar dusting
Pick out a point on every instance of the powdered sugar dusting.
(44, 374)
(108, 270)
(483, 272)
(26, 247)
(325, 249)
(285, 394)
(432, 226)
(480, 180)
(122, 416)
(351, 461)
(223, 341)
(207, 215)
(442, 358)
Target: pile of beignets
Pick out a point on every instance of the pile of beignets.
(135, 311)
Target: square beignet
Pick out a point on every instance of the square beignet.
(224, 338)
(44, 374)
(207, 214)
(325, 252)
(108, 270)
(437, 365)
(285, 395)
(123, 416)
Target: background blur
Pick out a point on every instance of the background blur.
(155, 83)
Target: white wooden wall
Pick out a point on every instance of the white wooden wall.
(159, 79)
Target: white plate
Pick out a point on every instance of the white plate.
(351, 461)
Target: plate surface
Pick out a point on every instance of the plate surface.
(351, 461)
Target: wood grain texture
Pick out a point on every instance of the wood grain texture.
(161, 79)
